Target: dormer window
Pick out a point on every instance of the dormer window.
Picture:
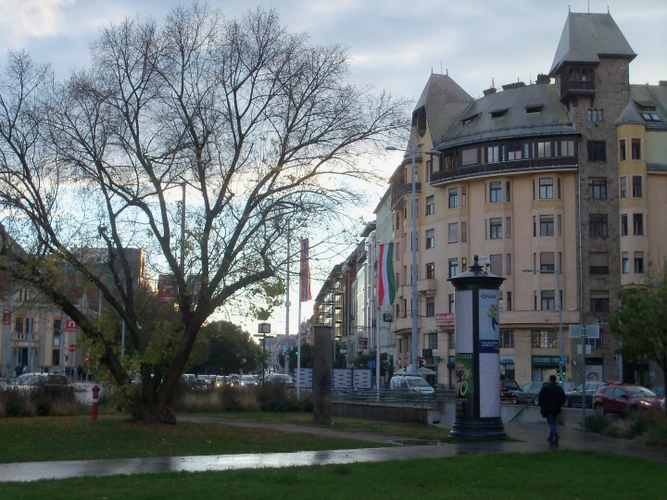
(534, 109)
(498, 114)
(649, 114)
(469, 119)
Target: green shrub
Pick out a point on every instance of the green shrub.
(597, 424)
(276, 398)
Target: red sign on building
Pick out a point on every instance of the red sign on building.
(5, 316)
(444, 318)
(70, 325)
(166, 288)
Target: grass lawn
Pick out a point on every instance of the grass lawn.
(76, 438)
(561, 474)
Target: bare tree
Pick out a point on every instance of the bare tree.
(258, 126)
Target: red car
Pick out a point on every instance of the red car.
(624, 399)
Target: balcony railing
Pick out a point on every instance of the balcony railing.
(399, 190)
(577, 87)
(427, 286)
(487, 168)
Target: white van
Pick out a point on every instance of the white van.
(411, 383)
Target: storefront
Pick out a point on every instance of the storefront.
(507, 368)
(543, 366)
(451, 366)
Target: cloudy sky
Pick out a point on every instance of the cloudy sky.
(393, 44)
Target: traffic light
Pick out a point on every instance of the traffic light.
(563, 372)
(421, 362)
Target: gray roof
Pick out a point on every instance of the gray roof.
(643, 98)
(585, 37)
(513, 117)
(444, 101)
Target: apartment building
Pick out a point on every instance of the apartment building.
(556, 184)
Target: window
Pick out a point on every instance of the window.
(429, 170)
(405, 309)
(508, 191)
(639, 262)
(543, 149)
(533, 109)
(597, 188)
(560, 225)
(599, 263)
(547, 261)
(492, 154)
(544, 339)
(597, 226)
(398, 309)
(464, 233)
(624, 187)
(599, 301)
(625, 263)
(453, 198)
(55, 357)
(398, 279)
(624, 225)
(18, 325)
(452, 340)
(496, 264)
(430, 271)
(548, 300)
(451, 303)
(638, 224)
(398, 251)
(636, 149)
(495, 192)
(430, 238)
(496, 228)
(546, 225)
(398, 221)
(567, 148)
(622, 156)
(506, 339)
(595, 115)
(430, 205)
(514, 153)
(433, 340)
(546, 188)
(508, 227)
(453, 233)
(597, 151)
(469, 157)
(508, 264)
(509, 300)
(463, 196)
(430, 307)
(636, 186)
(453, 267)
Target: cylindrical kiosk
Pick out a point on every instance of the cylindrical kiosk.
(477, 355)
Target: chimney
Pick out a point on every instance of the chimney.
(543, 79)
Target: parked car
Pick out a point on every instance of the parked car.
(507, 388)
(411, 383)
(280, 378)
(573, 398)
(624, 399)
(29, 381)
(660, 390)
(527, 393)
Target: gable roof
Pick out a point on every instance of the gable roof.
(586, 37)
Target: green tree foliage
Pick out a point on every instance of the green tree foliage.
(201, 141)
(640, 323)
(223, 348)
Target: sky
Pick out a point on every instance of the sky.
(393, 44)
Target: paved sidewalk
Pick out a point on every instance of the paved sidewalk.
(531, 438)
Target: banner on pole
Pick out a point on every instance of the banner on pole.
(304, 272)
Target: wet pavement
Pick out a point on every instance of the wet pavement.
(530, 438)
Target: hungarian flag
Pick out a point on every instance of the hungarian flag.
(386, 277)
(304, 273)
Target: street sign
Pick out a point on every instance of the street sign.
(264, 328)
(72, 347)
(562, 361)
(592, 331)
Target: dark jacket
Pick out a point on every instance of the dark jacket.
(551, 398)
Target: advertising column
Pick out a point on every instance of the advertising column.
(477, 368)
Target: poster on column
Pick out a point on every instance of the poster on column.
(465, 385)
(489, 354)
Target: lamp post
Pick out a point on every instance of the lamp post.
(413, 212)
(561, 361)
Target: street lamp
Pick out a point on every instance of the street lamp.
(561, 361)
(413, 211)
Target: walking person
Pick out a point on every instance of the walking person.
(551, 398)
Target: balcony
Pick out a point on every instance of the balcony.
(506, 166)
(576, 88)
(400, 189)
(427, 286)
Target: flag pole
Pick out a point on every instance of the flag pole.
(298, 352)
